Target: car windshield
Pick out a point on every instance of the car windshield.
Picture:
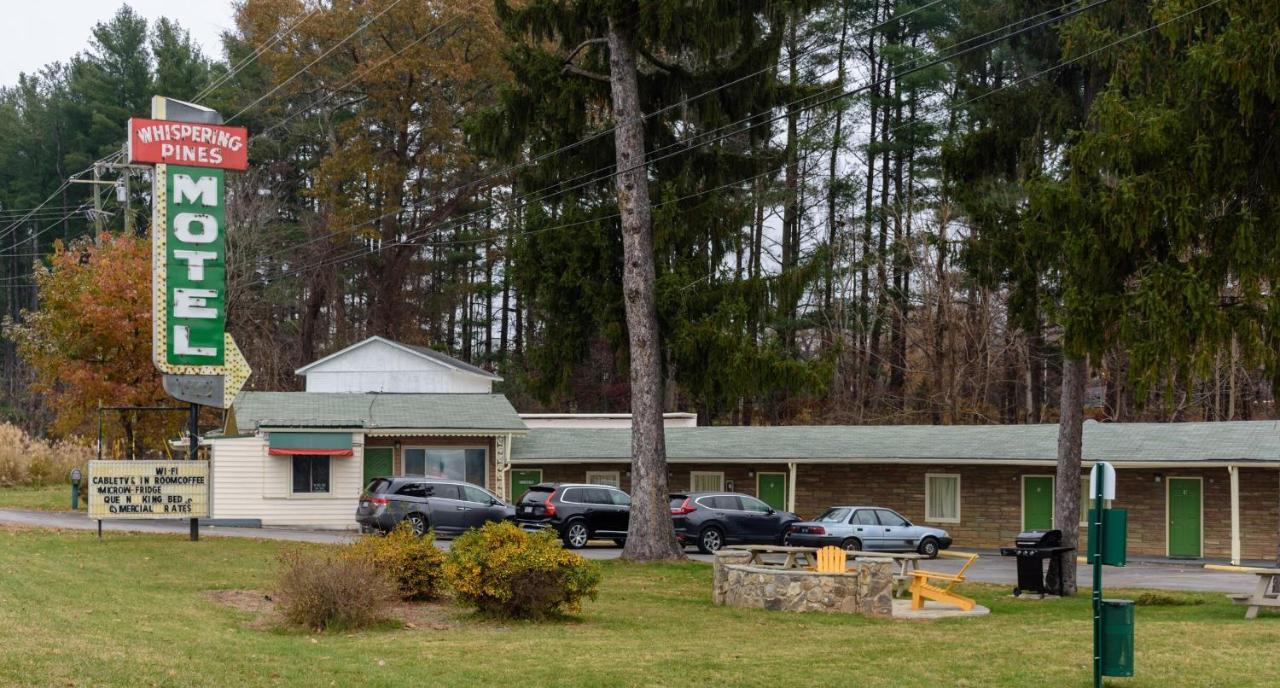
(377, 485)
(836, 515)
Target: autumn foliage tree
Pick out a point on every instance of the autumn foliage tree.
(90, 341)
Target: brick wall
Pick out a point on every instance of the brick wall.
(991, 499)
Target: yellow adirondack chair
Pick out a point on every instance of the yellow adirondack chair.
(831, 560)
(924, 588)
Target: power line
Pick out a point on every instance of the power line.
(650, 160)
(246, 61)
(682, 102)
(357, 77)
(323, 55)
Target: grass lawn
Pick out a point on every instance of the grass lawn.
(132, 611)
(48, 498)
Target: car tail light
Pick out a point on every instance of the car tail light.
(379, 501)
(809, 530)
(686, 507)
(548, 506)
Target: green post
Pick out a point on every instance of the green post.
(1095, 558)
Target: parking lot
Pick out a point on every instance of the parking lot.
(990, 568)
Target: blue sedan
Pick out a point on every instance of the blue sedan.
(868, 529)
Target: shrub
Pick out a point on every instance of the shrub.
(503, 571)
(27, 460)
(413, 564)
(326, 591)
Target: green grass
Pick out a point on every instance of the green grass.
(130, 611)
(48, 498)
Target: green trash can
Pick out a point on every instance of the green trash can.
(1117, 637)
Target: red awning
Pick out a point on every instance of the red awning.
(280, 451)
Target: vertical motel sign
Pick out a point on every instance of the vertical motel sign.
(190, 151)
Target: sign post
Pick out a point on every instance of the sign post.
(1112, 619)
(190, 148)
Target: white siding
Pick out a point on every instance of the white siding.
(380, 367)
(248, 483)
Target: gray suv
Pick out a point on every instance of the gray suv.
(447, 506)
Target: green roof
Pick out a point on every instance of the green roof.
(1241, 441)
(255, 410)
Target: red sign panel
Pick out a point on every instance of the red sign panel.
(153, 141)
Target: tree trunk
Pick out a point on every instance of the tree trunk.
(1066, 484)
(650, 536)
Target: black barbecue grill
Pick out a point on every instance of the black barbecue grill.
(1032, 548)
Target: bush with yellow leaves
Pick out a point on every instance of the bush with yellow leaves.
(505, 572)
(414, 564)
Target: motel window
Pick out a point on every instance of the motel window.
(609, 478)
(942, 498)
(706, 481)
(310, 474)
(449, 463)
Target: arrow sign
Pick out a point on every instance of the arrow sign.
(235, 372)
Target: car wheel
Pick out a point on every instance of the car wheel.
(710, 540)
(576, 535)
(418, 523)
(621, 542)
(851, 545)
(929, 548)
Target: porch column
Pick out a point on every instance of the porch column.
(1234, 472)
(501, 460)
(791, 486)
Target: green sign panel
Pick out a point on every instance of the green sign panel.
(195, 266)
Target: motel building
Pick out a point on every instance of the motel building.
(377, 408)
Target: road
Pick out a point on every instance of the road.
(990, 568)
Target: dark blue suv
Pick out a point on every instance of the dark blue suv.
(712, 520)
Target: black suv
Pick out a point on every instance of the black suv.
(448, 506)
(578, 512)
(712, 520)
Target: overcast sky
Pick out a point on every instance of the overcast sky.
(44, 31)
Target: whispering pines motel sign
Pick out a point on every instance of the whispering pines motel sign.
(189, 236)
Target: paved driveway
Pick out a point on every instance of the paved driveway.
(990, 568)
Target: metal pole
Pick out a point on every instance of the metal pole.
(97, 202)
(1095, 557)
(194, 429)
(99, 529)
(99, 432)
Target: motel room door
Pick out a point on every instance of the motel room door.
(1184, 517)
(771, 488)
(522, 479)
(1037, 502)
(377, 463)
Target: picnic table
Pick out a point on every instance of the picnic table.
(807, 557)
(1265, 594)
(793, 558)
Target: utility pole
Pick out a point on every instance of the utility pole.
(97, 201)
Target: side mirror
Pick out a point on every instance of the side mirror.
(494, 502)
(771, 511)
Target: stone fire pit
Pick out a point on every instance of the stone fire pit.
(866, 589)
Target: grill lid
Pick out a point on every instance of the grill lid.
(1039, 538)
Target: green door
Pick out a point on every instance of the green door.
(773, 489)
(1184, 517)
(522, 479)
(377, 463)
(1037, 502)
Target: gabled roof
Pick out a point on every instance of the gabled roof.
(1122, 443)
(356, 410)
(420, 351)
